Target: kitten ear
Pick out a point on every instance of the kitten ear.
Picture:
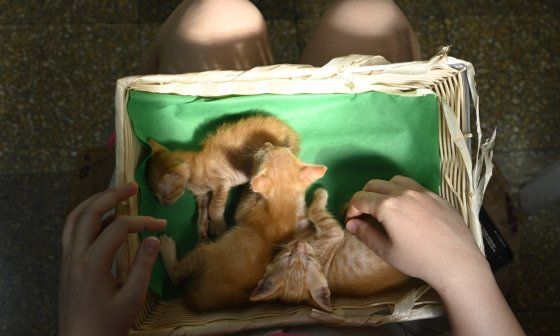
(310, 173)
(259, 182)
(321, 296)
(266, 290)
(182, 170)
(318, 289)
(156, 146)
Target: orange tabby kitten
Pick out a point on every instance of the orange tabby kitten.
(223, 273)
(330, 261)
(225, 161)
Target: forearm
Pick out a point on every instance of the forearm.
(423, 236)
(475, 306)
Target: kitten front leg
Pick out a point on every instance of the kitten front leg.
(325, 224)
(202, 222)
(178, 270)
(216, 209)
(168, 252)
(329, 236)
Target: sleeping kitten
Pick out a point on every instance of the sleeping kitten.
(223, 273)
(329, 261)
(225, 161)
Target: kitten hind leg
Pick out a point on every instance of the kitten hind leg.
(216, 210)
(202, 221)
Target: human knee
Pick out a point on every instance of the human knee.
(205, 21)
(368, 17)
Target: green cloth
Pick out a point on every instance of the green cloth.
(357, 136)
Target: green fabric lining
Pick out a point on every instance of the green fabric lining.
(357, 136)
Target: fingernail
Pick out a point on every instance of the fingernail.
(351, 226)
(151, 245)
(160, 220)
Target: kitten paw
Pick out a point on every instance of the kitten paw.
(218, 227)
(320, 198)
(166, 242)
(167, 249)
(202, 235)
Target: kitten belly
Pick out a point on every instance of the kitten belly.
(362, 273)
(223, 176)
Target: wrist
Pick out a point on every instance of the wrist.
(460, 277)
(475, 305)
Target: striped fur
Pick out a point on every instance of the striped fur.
(329, 255)
(224, 161)
(223, 273)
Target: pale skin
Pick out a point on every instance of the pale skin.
(424, 238)
(91, 300)
(421, 235)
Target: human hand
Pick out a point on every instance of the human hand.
(91, 300)
(420, 233)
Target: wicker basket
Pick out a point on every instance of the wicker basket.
(462, 182)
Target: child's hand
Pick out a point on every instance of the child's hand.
(91, 300)
(424, 236)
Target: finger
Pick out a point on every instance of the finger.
(407, 183)
(105, 247)
(70, 224)
(364, 202)
(90, 221)
(383, 187)
(107, 219)
(370, 236)
(134, 289)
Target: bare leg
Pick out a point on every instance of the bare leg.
(368, 27)
(205, 35)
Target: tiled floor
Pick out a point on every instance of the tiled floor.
(32, 210)
(60, 60)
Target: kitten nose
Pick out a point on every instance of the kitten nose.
(300, 247)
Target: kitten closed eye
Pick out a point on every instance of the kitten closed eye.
(330, 258)
(267, 215)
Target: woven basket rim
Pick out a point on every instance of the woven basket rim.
(450, 79)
